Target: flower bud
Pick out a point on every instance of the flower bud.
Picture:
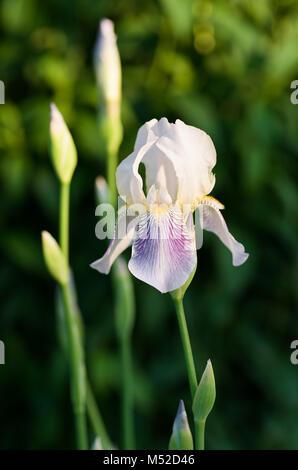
(181, 438)
(108, 66)
(54, 258)
(205, 394)
(97, 444)
(101, 190)
(125, 306)
(63, 150)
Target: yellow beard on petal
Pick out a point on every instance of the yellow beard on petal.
(159, 209)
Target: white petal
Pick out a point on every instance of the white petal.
(213, 221)
(116, 246)
(163, 254)
(178, 157)
(129, 181)
(159, 167)
(145, 134)
(193, 156)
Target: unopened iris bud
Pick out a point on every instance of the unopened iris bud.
(63, 150)
(97, 444)
(205, 395)
(101, 190)
(108, 66)
(181, 438)
(54, 258)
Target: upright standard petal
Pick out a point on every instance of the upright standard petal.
(163, 254)
(213, 221)
(129, 181)
(159, 166)
(193, 155)
(176, 156)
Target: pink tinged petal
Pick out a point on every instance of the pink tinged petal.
(163, 254)
(121, 240)
(213, 221)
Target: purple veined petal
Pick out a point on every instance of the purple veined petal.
(121, 240)
(163, 254)
(213, 221)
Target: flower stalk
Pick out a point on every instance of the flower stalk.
(96, 419)
(190, 365)
(77, 363)
(202, 394)
(64, 158)
(64, 219)
(108, 74)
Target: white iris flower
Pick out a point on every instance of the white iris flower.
(178, 160)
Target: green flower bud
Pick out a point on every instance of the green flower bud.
(205, 394)
(181, 438)
(54, 258)
(63, 150)
(125, 306)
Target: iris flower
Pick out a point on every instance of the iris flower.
(178, 161)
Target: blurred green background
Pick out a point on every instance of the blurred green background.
(225, 67)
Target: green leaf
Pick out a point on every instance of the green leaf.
(205, 394)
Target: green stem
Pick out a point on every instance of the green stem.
(77, 372)
(200, 434)
(125, 343)
(127, 395)
(190, 365)
(96, 419)
(191, 370)
(76, 350)
(111, 177)
(64, 219)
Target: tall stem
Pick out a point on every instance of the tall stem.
(200, 435)
(96, 419)
(76, 350)
(127, 395)
(77, 372)
(111, 176)
(124, 343)
(191, 370)
(64, 219)
(190, 365)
